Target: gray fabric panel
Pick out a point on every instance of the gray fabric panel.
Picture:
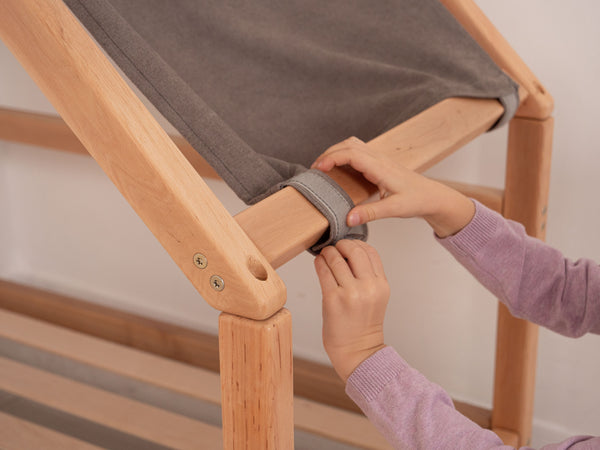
(261, 88)
(332, 202)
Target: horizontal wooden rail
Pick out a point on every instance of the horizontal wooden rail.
(536, 102)
(139, 158)
(313, 381)
(285, 223)
(51, 131)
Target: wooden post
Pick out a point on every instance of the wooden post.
(257, 382)
(526, 197)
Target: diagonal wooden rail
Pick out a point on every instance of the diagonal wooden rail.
(139, 158)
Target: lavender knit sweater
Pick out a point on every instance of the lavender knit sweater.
(535, 281)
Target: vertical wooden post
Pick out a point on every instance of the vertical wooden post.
(257, 382)
(526, 197)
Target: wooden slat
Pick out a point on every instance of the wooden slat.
(201, 384)
(17, 434)
(538, 103)
(285, 224)
(257, 400)
(105, 408)
(49, 131)
(333, 423)
(119, 359)
(138, 156)
(526, 200)
(312, 380)
(182, 344)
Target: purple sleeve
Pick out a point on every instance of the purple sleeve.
(412, 412)
(534, 280)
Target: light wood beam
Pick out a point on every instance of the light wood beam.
(256, 382)
(526, 200)
(285, 223)
(138, 156)
(50, 131)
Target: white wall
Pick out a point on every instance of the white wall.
(64, 226)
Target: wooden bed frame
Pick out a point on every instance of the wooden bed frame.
(156, 174)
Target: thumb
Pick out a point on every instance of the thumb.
(386, 207)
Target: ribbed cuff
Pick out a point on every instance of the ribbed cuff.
(476, 234)
(374, 373)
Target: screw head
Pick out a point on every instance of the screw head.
(217, 283)
(200, 261)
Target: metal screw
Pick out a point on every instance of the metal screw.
(217, 283)
(200, 261)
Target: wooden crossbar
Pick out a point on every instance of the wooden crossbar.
(419, 143)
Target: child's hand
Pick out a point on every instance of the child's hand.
(403, 193)
(355, 295)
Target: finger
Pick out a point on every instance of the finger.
(374, 258)
(357, 258)
(379, 209)
(368, 165)
(337, 265)
(326, 278)
(351, 142)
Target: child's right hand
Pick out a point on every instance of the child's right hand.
(403, 193)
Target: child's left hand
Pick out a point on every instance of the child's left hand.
(355, 295)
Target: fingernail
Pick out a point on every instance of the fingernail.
(317, 165)
(353, 219)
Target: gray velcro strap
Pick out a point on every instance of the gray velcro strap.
(511, 104)
(332, 201)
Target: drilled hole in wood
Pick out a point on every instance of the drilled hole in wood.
(257, 269)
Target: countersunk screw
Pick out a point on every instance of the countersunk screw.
(200, 261)
(217, 283)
